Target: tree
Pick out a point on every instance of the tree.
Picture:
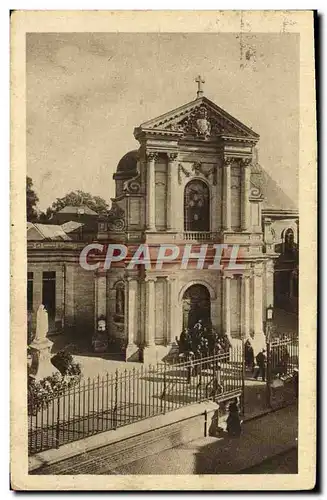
(76, 199)
(31, 201)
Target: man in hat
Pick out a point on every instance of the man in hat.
(261, 362)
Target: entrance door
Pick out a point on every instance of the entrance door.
(49, 296)
(196, 306)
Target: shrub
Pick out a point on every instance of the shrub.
(65, 363)
(41, 393)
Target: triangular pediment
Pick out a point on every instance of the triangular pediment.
(200, 118)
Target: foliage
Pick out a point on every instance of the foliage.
(41, 393)
(76, 199)
(202, 341)
(65, 363)
(31, 201)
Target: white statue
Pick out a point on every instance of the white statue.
(42, 323)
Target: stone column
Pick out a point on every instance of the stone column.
(268, 235)
(257, 301)
(246, 306)
(100, 297)
(150, 307)
(132, 320)
(150, 187)
(226, 305)
(227, 194)
(171, 179)
(269, 283)
(173, 330)
(246, 194)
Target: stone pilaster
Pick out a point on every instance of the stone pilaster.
(227, 194)
(100, 296)
(150, 309)
(226, 305)
(172, 157)
(132, 318)
(245, 306)
(173, 304)
(268, 235)
(269, 284)
(257, 301)
(246, 194)
(150, 190)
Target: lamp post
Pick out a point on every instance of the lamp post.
(269, 319)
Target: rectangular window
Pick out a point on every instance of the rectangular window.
(30, 291)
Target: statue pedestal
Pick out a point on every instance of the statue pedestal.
(41, 365)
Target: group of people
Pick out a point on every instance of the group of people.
(201, 341)
(257, 364)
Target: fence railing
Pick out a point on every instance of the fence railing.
(124, 397)
(282, 366)
(283, 356)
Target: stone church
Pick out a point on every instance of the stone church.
(195, 179)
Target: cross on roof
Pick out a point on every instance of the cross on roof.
(199, 80)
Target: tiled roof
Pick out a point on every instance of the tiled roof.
(82, 209)
(71, 226)
(50, 232)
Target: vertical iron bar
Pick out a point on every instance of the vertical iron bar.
(84, 404)
(111, 401)
(133, 394)
(141, 379)
(88, 405)
(58, 422)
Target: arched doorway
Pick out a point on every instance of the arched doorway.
(196, 206)
(196, 306)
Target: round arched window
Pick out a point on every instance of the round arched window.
(196, 206)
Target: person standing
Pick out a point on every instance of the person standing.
(261, 359)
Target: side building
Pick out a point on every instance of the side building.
(195, 179)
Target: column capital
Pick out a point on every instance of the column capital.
(172, 156)
(228, 160)
(151, 155)
(245, 162)
(227, 277)
(150, 279)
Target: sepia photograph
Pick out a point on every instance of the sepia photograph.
(161, 317)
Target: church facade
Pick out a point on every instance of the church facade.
(194, 183)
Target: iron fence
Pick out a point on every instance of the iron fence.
(124, 397)
(282, 371)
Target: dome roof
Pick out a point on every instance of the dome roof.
(127, 166)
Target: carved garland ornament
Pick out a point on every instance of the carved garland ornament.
(198, 170)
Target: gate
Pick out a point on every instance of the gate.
(282, 371)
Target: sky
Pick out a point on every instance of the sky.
(87, 91)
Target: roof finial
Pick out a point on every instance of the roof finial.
(199, 80)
